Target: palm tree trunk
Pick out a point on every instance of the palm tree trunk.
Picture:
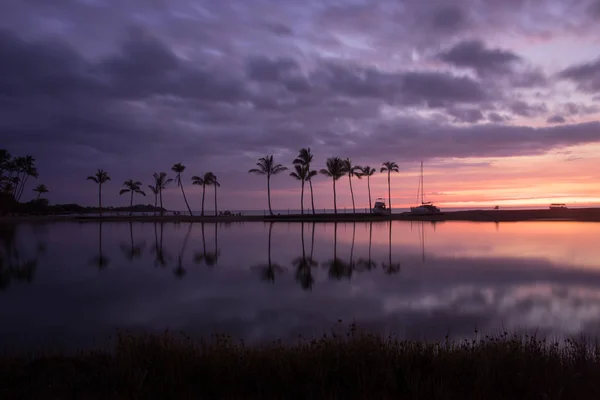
(100, 199)
(269, 193)
(369, 188)
(312, 198)
(131, 205)
(155, 201)
(25, 177)
(215, 199)
(38, 196)
(302, 200)
(389, 192)
(334, 199)
(203, 192)
(352, 194)
(184, 198)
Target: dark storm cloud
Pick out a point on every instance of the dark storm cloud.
(474, 54)
(586, 76)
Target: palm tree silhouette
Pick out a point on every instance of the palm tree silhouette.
(390, 268)
(389, 167)
(100, 260)
(216, 184)
(352, 170)
(269, 270)
(161, 182)
(204, 181)
(133, 187)
(335, 170)
(25, 169)
(368, 263)
(369, 172)
(40, 189)
(161, 256)
(266, 166)
(304, 264)
(179, 270)
(305, 158)
(178, 169)
(101, 177)
(338, 269)
(154, 189)
(132, 251)
(302, 174)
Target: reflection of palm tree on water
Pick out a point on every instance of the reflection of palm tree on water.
(100, 260)
(368, 263)
(390, 268)
(209, 258)
(269, 270)
(161, 256)
(12, 268)
(132, 251)
(304, 264)
(179, 270)
(338, 269)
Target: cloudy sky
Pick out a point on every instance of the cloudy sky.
(500, 99)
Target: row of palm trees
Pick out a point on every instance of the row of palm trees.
(14, 174)
(336, 168)
(161, 181)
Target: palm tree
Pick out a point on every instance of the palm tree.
(40, 189)
(206, 180)
(369, 172)
(131, 186)
(390, 268)
(101, 177)
(161, 182)
(178, 169)
(305, 158)
(300, 173)
(216, 184)
(154, 189)
(352, 170)
(266, 166)
(389, 167)
(25, 167)
(335, 170)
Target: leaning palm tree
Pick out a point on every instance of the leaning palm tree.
(266, 166)
(133, 187)
(204, 181)
(305, 158)
(389, 167)
(216, 184)
(352, 170)
(301, 174)
(369, 172)
(101, 177)
(40, 189)
(335, 170)
(161, 182)
(178, 169)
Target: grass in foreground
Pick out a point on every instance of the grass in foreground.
(356, 365)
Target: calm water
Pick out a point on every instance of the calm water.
(73, 284)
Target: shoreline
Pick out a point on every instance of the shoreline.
(570, 215)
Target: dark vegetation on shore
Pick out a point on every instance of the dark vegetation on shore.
(355, 365)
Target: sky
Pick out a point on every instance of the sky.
(501, 100)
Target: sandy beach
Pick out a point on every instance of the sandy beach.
(579, 214)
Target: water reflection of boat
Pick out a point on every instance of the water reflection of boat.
(380, 207)
(426, 208)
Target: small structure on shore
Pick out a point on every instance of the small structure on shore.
(558, 206)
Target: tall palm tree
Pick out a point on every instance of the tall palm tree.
(389, 167)
(266, 166)
(335, 170)
(352, 170)
(133, 187)
(101, 177)
(305, 158)
(154, 189)
(40, 189)
(301, 174)
(216, 184)
(161, 182)
(205, 180)
(369, 172)
(178, 169)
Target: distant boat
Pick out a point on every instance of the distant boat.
(380, 207)
(558, 206)
(426, 208)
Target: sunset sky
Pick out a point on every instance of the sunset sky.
(501, 100)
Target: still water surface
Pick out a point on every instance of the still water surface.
(73, 284)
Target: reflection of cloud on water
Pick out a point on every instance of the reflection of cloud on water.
(70, 303)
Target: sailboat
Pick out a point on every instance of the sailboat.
(425, 208)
